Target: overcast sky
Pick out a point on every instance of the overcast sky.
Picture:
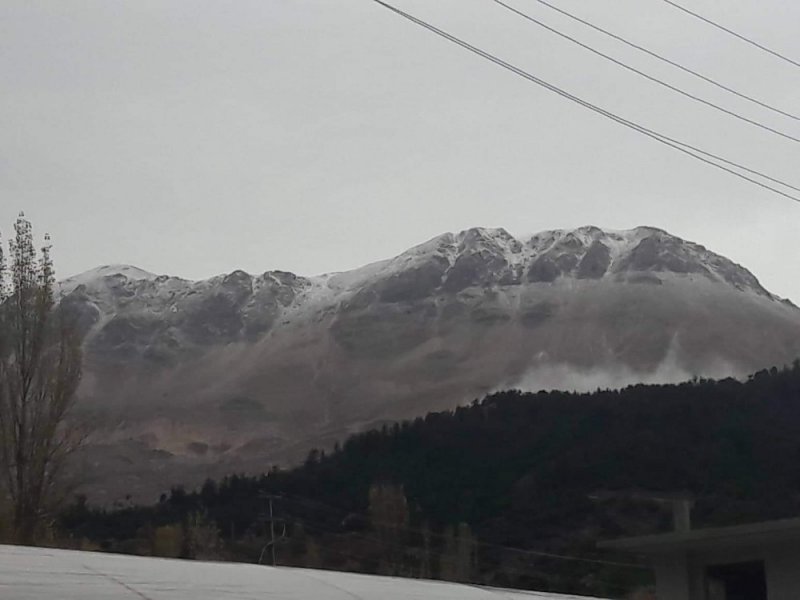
(197, 137)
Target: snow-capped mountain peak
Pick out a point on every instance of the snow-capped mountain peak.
(491, 256)
(92, 275)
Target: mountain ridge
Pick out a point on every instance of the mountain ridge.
(239, 370)
(540, 246)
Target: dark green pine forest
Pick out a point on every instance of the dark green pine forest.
(513, 490)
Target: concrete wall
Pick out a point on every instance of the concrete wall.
(783, 574)
(673, 578)
(681, 576)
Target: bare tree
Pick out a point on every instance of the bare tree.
(40, 368)
(459, 559)
(388, 513)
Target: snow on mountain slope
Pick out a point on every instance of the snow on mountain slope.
(587, 252)
(241, 370)
(93, 275)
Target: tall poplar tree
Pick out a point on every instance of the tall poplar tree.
(40, 368)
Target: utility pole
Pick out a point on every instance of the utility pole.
(272, 541)
(272, 532)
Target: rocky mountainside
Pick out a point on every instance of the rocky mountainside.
(240, 371)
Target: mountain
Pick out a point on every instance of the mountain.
(240, 371)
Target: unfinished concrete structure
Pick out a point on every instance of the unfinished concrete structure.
(760, 561)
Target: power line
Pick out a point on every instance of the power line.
(680, 146)
(530, 569)
(668, 61)
(733, 33)
(647, 76)
(534, 553)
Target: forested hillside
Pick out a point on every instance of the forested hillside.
(508, 491)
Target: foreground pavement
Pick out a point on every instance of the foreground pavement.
(49, 574)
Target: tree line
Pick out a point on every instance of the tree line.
(514, 490)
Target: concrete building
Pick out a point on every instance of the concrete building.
(748, 562)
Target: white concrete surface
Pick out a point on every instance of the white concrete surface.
(48, 574)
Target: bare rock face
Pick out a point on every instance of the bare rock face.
(200, 378)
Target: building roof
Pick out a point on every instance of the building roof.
(44, 573)
(754, 534)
